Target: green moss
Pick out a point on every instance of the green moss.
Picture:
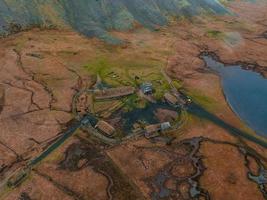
(215, 34)
(118, 71)
(133, 102)
(177, 84)
(130, 70)
(98, 66)
(205, 101)
(161, 87)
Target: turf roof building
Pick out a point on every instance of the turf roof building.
(105, 128)
(154, 130)
(114, 92)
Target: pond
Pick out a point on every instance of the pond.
(146, 114)
(246, 93)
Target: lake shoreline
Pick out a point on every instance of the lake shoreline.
(227, 98)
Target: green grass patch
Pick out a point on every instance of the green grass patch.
(116, 71)
(160, 87)
(177, 84)
(132, 102)
(215, 34)
(205, 101)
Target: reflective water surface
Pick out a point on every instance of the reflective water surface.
(246, 93)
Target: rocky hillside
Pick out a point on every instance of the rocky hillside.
(95, 17)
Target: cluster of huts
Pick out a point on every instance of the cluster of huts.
(146, 88)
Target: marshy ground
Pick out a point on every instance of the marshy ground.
(41, 71)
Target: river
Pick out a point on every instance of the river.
(246, 93)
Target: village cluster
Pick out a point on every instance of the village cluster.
(174, 98)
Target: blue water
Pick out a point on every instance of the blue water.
(246, 93)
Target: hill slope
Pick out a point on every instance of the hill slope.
(94, 17)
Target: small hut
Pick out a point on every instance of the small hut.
(147, 88)
(152, 130)
(165, 126)
(105, 128)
